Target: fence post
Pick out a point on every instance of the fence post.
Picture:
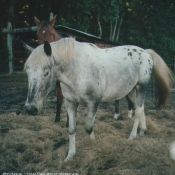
(9, 47)
(51, 16)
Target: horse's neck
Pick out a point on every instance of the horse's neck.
(62, 72)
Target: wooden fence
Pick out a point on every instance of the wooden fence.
(83, 36)
(10, 32)
(65, 31)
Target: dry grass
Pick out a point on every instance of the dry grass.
(37, 144)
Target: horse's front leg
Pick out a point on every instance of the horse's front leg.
(59, 101)
(72, 112)
(92, 109)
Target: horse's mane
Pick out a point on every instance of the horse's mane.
(63, 49)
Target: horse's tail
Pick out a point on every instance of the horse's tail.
(163, 77)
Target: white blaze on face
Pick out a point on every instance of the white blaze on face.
(44, 31)
(34, 96)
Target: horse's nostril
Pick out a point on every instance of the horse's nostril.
(32, 110)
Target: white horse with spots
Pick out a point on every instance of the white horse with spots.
(90, 75)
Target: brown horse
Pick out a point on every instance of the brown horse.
(46, 32)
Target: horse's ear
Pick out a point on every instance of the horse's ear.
(47, 48)
(37, 21)
(52, 21)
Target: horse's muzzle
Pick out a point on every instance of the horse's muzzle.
(31, 110)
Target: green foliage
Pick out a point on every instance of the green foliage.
(110, 10)
(150, 24)
(146, 23)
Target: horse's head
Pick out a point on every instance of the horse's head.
(46, 32)
(41, 77)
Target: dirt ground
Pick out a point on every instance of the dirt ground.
(39, 145)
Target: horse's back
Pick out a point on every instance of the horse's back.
(111, 73)
(124, 67)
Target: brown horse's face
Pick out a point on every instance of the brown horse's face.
(46, 33)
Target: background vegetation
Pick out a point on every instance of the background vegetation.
(145, 23)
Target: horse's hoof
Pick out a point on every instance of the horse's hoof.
(57, 120)
(69, 157)
(18, 112)
(116, 116)
(67, 125)
(131, 137)
(142, 133)
(92, 136)
(66, 159)
(130, 114)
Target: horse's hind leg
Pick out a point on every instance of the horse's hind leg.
(137, 97)
(92, 109)
(142, 124)
(67, 122)
(59, 101)
(117, 113)
(130, 107)
(72, 113)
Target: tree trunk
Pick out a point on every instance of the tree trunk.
(114, 30)
(111, 26)
(119, 27)
(10, 48)
(99, 25)
(11, 10)
(9, 35)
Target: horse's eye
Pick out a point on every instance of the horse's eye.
(47, 73)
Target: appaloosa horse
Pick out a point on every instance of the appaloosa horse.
(89, 75)
(46, 32)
